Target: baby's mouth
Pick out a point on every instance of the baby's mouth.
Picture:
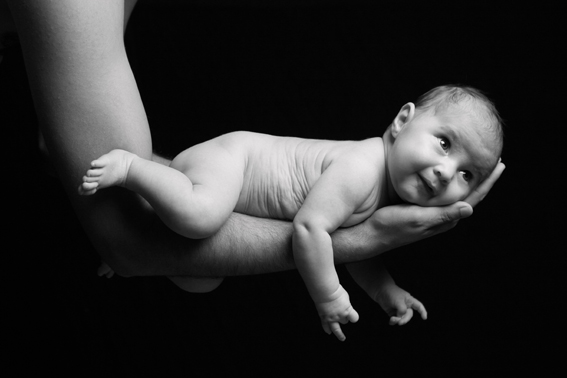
(428, 186)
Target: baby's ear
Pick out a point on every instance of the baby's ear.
(404, 116)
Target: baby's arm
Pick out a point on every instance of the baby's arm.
(333, 199)
(372, 276)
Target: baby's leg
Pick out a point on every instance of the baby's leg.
(216, 175)
(106, 171)
(193, 198)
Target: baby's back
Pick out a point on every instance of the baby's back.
(280, 171)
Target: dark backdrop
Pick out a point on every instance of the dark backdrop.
(339, 71)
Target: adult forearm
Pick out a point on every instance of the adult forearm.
(244, 245)
(88, 103)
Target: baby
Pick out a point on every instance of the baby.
(434, 153)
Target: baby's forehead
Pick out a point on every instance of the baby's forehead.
(472, 135)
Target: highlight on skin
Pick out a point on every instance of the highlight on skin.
(472, 100)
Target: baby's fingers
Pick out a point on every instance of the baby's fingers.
(403, 319)
(326, 328)
(353, 316)
(419, 307)
(336, 329)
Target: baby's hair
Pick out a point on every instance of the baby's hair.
(439, 98)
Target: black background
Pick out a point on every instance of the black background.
(338, 71)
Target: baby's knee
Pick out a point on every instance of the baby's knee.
(197, 285)
(199, 219)
(196, 224)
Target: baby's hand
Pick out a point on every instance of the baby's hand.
(337, 310)
(399, 304)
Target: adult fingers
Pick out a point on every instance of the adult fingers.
(482, 190)
(440, 219)
(453, 213)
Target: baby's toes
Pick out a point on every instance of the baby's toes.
(84, 192)
(89, 185)
(90, 179)
(101, 162)
(95, 172)
(88, 188)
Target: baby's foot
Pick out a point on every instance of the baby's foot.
(108, 170)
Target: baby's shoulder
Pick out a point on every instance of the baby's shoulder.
(373, 145)
(367, 152)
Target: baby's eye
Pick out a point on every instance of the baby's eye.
(445, 144)
(467, 176)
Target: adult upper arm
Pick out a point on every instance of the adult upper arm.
(83, 88)
(87, 101)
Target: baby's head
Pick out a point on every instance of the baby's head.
(440, 149)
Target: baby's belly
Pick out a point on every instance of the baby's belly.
(273, 189)
(279, 174)
(281, 197)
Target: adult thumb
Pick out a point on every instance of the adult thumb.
(455, 212)
(465, 210)
(460, 210)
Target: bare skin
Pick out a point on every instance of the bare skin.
(319, 184)
(109, 170)
(87, 103)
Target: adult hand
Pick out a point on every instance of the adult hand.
(403, 224)
(482, 190)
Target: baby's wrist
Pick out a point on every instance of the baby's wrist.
(327, 296)
(380, 287)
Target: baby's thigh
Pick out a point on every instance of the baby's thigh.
(215, 172)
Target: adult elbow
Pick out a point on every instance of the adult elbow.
(125, 269)
(122, 263)
(124, 258)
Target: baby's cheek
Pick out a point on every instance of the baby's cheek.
(450, 197)
(461, 195)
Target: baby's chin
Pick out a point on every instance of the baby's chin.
(419, 198)
(431, 202)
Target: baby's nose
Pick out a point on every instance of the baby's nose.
(445, 172)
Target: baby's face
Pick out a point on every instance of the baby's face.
(438, 159)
